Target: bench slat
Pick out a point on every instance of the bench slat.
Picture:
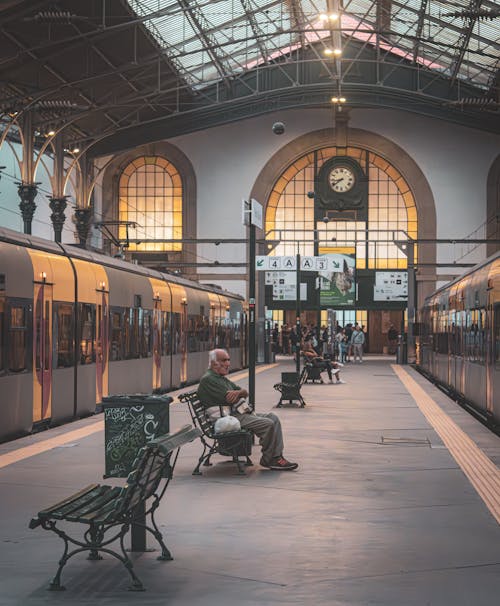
(107, 496)
(72, 505)
(70, 499)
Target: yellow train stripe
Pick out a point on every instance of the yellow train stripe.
(482, 473)
(77, 434)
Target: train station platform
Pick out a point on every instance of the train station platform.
(396, 502)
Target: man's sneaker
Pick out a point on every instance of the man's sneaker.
(282, 464)
(340, 381)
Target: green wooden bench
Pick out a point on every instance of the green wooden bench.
(289, 388)
(108, 512)
(234, 444)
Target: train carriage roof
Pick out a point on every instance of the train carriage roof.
(491, 264)
(29, 241)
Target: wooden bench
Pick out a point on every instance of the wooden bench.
(234, 444)
(289, 388)
(109, 511)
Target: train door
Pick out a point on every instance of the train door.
(177, 313)
(183, 341)
(157, 331)
(42, 350)
(102, 344)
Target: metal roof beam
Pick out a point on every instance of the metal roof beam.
(420, 28)
(464, 40)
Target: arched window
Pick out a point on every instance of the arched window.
(150, 194)
(392, 213)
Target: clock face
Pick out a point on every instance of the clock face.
(341, 179)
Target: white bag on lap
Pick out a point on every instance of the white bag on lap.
(225, 424)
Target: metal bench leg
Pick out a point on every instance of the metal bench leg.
(241, 469)
(165, 553)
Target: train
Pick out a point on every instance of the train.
(459, 343)
(76, 325)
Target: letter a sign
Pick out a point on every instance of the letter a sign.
(307, 264)
(289, 263)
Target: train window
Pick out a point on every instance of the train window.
(166, 332)
(131, 332)
(147, 334)
(198, 333)
(496, 335)
(63, 333)
(443, 332)
(86, 333)
(116, 345)
(176, 340)
(475, 335)
(18, 338)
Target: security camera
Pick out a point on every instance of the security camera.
(325, 219)
(278, 128)
(310, 194)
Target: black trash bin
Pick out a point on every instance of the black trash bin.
(402, 351)
(270, 356)
(130, 422)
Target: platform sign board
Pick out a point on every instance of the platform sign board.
(256, 213)
(337, 281)
(390, 286)
(272, 263)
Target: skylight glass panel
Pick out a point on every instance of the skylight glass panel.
(209, 40)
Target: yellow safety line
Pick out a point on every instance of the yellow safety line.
(482, 473)
(244, 373)
(34, 449)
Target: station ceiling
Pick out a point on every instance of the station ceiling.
(113, 74)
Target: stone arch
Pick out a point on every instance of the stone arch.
(395, 155)
(110, 187)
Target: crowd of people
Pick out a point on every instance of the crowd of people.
(348, 343)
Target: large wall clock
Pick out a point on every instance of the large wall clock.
(341, 185)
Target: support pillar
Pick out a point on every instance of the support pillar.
(57, 206)
(27, 192)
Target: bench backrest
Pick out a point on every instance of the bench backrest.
(150, 467)
(198, 413)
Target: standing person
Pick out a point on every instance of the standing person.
(294, 341)
(285, 339)
(348, 334)
(216, 390)
(324, 340)
(392, 337)
(366, 346)
(275, 336)
(341, 340)
(357, 342)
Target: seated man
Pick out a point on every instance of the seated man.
(215, 390)
(331, 367)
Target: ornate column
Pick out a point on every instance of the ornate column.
(27, 192)
(57, 206)
(82, 219)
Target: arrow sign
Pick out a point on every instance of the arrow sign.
(261, 262)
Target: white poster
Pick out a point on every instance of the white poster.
(390, 286)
